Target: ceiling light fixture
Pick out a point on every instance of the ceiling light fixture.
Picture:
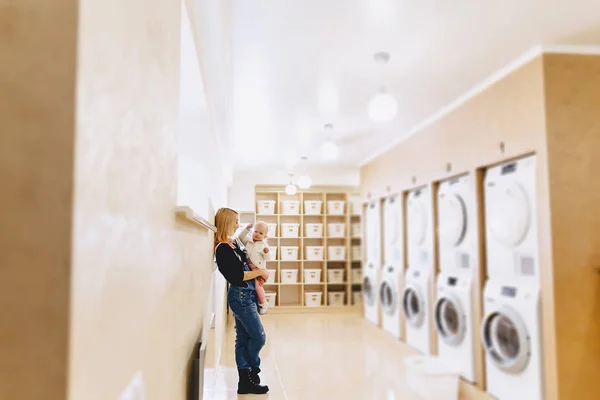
(383, 107)
(329, 150)
(291, 189)
(304, 181)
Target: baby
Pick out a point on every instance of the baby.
(258, 253)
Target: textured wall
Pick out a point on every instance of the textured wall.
(37, 94)
(140, 278)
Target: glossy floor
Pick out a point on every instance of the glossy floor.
(319, 356)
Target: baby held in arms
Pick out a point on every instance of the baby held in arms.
(258, 253)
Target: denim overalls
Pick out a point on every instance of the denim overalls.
(249, 333)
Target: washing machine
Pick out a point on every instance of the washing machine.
(372, 269)
(511, 220)
(458, 260)
(453, 317)
(393, 231)
(456, 224)
(416, 304)
(390, 291)
(511, 336)
(419, 218)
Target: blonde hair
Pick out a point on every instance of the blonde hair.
(225, 221)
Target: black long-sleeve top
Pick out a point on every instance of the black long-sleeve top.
(230, 263)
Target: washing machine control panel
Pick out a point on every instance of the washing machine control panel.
(508, 168)
(452, 281)
(508, 291)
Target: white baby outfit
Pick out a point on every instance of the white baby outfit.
(255, 250)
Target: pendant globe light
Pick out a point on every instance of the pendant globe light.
(304, 181)
(329, 150)
(383, 107)
(291, 189)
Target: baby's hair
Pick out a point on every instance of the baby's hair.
(263, 224)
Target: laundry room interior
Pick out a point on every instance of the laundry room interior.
(287, 200)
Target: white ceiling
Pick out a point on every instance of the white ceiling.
(299, 64)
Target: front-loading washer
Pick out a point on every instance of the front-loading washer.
(511, 220)
(419, 219)
(373, 232)
(390, 291)
(456, 225)
(416, 304)
(454, 320)
(372, 270)
(371, 302)
(511, 336)
(393, 231)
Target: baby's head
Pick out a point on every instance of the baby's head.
(260, 231)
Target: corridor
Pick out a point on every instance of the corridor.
(319, 357)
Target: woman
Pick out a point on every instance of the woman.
(249, 333)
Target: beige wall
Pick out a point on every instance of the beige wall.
(140, 278)
(98, 279)
(37, 88)
(549, 107)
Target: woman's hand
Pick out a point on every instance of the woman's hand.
(264, 274)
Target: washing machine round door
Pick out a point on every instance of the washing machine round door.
(413, 304)
(508, 213)
(452, 219)
(416, 219)
(389, 297)
(506, 340)
(450, 319)
(368, 291)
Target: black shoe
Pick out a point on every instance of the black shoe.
(255, 371)
(248, 383)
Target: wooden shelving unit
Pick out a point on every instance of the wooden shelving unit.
(291, 296)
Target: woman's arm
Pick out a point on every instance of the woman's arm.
(263, 273)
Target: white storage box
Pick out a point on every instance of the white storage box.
(313, 299)
(289, 276)
(291, 207)
(355, 230)
(357, 298)
(312, 276)
(313, 230)
(430, 378)
(336, 299)
(289, 253)
(271, 298)
(314, 253)
(272, 230)
(356, 253)
(356, 207)
(290, 230)
(266, 207)
(335, 207)
(273, 251)
(335, 275)
(312, 207)
(272, 275)
(336, 230)
(356, 275)
(336, 253)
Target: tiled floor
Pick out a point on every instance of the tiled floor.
(319, 356)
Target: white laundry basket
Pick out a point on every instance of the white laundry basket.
(314, 253)
(289, 253)
(266, 207)
(355, 230)
(313, 299)
(336, 299)
(272, 276)
(335, 275)
(336, 253)
(430, 378)
(289, 276)
(313, 230)
(272, 230)
(356, 253)
(335, 207)
(290, 230)
(336, 230)
(291, 207)
(357, 297)
(271, 298)
(312, 207)
(273, 251)
(356, 275)
(312, 276)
